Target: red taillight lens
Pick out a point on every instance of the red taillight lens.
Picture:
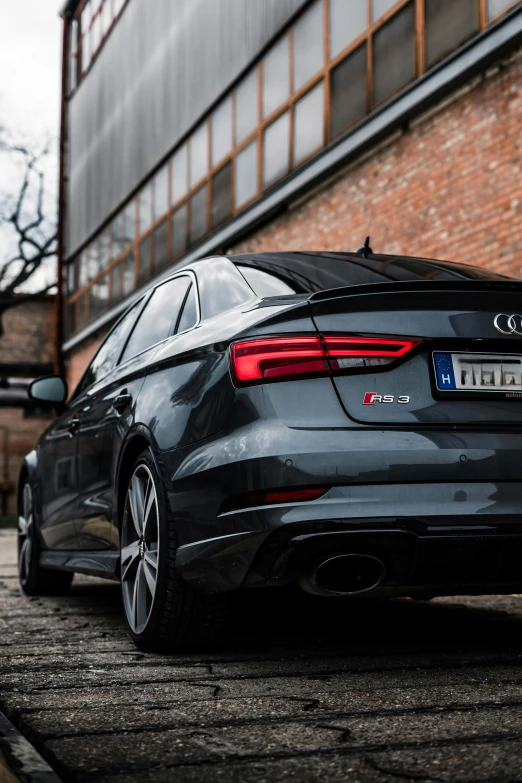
(347, 353)
(272, 497)
(289, 358)
(277, 358)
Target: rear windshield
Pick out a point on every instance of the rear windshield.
(296, 273)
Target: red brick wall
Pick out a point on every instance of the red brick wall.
(28, 336)
(448, 187)
(28, 332)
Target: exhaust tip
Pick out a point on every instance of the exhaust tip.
(346, 574)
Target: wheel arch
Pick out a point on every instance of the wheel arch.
(136, 442)
(27, 471)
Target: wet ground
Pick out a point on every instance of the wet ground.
(300, 689)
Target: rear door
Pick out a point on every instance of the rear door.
(425, 352)
(110, 409)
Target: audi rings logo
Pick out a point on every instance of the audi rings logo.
(508, 324)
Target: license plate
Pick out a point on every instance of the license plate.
(478, 372)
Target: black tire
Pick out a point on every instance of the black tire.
(174, 616)
(35, 580)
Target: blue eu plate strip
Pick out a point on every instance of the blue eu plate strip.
(444, 370)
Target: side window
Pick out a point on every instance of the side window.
(221, 286)
(110, 350)
(159, 318)
(265, 284)
(189, 314)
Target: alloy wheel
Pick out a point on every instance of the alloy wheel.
(25, 534)
(140, 548)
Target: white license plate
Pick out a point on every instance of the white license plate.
(485, 372)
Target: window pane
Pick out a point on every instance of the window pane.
(128, 274)
(496, 7)
(93, 259)
(129, 223)
(106, 16)
(198, 214)
(221, 286)
(161, 192)
(71, 277)
(263, 283)
(246, 107)
(379, 7)
(160, 246)
(178, 228)
(179, 174)
(82, 272)
(276, 82)
(145, 258)
(198, 154)
(95, 34)
(448, 24)
(100, 291)
(222, 131)
(116, 284)
(394, 54)
(347, 22)
(221, 194)
(104, 248)
(159, 317)
(189, 316)
(246, 174)
(80, 312)
(308, 45)
(308, 123)
(276, 149)
(117, 235)
(348, 91)
(110, 350)
(145, 207)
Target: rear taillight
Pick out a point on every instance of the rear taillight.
(277, 358)
(272, 497)
(268, 359)
(346, 353)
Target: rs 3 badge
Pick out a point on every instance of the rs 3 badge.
(371, 398)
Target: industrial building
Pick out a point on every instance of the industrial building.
(196, 127)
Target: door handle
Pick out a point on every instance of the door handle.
(122, 401)
(73, 426)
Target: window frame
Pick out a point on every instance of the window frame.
(182, 273)
(78, 392)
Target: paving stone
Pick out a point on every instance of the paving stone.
(301, 689)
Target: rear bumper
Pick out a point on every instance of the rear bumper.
(438, 537)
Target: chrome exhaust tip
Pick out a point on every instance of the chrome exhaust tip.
(346, 574)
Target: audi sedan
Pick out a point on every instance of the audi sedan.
(349, 422)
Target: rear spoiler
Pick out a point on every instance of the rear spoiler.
(511, 286)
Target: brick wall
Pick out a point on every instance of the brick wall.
(28, 336)
(449, 187)
(28, 332)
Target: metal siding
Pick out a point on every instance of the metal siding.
(162, 66)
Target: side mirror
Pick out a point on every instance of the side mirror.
(52, 389)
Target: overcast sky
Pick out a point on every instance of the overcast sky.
(30, 76)
(30, 56)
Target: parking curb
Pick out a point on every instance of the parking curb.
(19, 760)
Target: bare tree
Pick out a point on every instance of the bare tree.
(28, 223)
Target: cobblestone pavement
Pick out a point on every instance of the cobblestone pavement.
(301, 689)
